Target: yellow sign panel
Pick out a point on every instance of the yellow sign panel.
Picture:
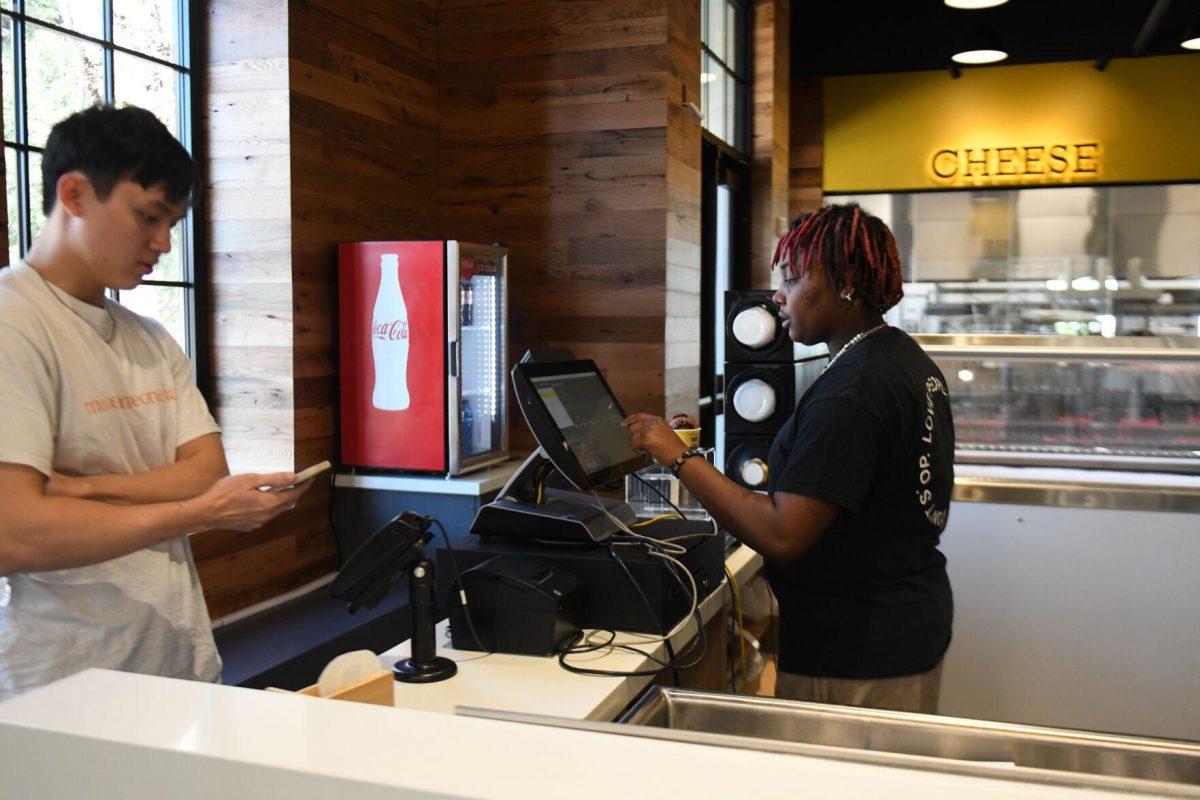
(1030, 125)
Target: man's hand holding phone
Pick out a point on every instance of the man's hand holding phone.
(247, 502)
(302, 477)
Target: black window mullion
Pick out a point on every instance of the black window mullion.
(737, 76)
(21, 127)
(89, 38)
(110, 90)
(732, 11)
(178, 284)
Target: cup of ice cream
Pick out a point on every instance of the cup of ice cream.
(687, 429)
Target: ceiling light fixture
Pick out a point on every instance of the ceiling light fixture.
(1191, 34)
(979, 44)
(974, 5)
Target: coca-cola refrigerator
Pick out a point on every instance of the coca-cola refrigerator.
(423, 330)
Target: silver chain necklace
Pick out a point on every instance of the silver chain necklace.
(858, 338)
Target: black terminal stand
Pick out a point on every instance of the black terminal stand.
(393, 550)
(425, 665)
(562, 515)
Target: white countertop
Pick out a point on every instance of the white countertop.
(101, 735)
(537, 684)
(473, 484)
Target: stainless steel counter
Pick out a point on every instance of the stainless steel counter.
(889, 738)
(1076, 493)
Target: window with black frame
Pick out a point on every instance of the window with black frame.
(724, 46)
(61, 56)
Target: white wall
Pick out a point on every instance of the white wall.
(1078, 618)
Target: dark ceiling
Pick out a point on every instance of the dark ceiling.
(853, 37)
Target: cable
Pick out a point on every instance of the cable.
(695, 612)
(669, 547)
(677, 549)
(539, 477)
(462, 592)
(652, 520)
(657, 549)
(654, 620)
(569, 649)
(740, 628)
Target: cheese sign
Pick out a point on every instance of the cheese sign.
(1015, 163)
(1058, 124)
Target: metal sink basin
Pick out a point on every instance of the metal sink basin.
(979, 748)
(959, 744)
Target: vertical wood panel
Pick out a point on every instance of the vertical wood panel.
(558, 128)
(247, 207)
(681, 330)
(246, 200)
(363, 108)
(323, 128)
(771, 142)
(807, 147)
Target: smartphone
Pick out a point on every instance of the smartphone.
(302, 476)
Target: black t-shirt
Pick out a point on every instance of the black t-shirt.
(874, 436)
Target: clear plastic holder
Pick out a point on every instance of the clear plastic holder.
(646, 503)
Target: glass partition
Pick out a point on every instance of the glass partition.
(1066, 319)
(1106, 261)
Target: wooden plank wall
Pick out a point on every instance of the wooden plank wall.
(364, 152)
(770, 143)
(350, 155)
(247, 202)
(554, 139)
(682, 337)
(557, 127)
(807, 146)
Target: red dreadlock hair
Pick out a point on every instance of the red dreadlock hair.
(854, 249)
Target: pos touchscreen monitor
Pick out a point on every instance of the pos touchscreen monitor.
(576, 419)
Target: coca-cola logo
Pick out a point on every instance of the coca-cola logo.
(479, 266)
(389, 331)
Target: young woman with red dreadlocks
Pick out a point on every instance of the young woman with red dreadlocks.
(859, 480)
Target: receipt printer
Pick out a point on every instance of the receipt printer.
(517, 605)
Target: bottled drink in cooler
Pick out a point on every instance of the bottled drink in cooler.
(389, 339)
(467, 433)
(468, 304)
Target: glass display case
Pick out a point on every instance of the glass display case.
(1066, 319)
(1130, 404)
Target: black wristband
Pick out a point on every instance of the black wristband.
(677, 464)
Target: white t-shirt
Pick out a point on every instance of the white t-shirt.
(73, 402)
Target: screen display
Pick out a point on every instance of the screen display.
(589, 418)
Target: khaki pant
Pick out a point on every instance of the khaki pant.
(906, 693)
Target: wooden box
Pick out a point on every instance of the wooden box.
(376, 689)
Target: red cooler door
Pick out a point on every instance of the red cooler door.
(392, 320)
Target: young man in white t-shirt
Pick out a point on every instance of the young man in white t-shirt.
(108, 454)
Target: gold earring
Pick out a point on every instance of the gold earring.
(848, 296)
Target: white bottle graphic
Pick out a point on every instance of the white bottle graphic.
(389, 339)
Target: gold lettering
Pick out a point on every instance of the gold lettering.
(1086, 161)
(982, 161)
(1004, 157)
(1058, 156)
(1033, 157)
(953, 161)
